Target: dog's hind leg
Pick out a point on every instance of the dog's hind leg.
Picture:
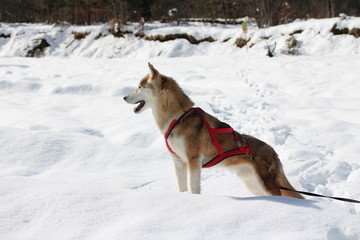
(181, 173)
(252, 180)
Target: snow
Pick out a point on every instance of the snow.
(77, 163)
(315, 39)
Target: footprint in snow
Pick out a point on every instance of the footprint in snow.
(123, 91)
(92, 132)
(335, 233)
(281, 134)
(76, 89)
(140, 140)
(21, 86)
(142, 185)
(86, 131)
(5, 85)
(32, 87)
(39, 127)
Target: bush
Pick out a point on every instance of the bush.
(292, 46)
(80, 35)
(241, 42)
(38, 50)
(170, 37)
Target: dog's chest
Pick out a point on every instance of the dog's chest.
(178, 145)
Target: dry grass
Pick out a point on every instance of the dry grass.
(339, 31)
(100, 35)
(241, 42)
(355, 32)
(80, 35)
(266, 37)
(38, 50)
(171, 37)
(2, 35)
(296, 32)
(292, 46)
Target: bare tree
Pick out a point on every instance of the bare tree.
(224, 4)
(117, 17)
(331, 8)
(266, 12)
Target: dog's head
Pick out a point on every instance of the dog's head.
(149, 88)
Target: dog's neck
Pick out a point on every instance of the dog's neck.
(169, 107)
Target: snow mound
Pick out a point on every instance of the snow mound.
(311, 37)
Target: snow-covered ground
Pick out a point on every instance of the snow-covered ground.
(77, 163)
(314, 38)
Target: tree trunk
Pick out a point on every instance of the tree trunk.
(331, 8)
(116, 16)
(224, 7)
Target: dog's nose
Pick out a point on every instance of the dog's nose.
(125, 98)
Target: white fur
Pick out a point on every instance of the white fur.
(177, 144)
(181, 173)
(195, 179)
(141, 94)
(251, 179)
(181, 162)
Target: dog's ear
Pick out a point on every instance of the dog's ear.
(153, 71)
(164, 83)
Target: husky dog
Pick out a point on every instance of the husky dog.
(191, 146)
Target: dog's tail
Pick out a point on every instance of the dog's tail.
(283, 182)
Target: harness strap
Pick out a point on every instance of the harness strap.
(243, 148)
(231, 153)
(172, 124)
(171, 127)
(213, 131)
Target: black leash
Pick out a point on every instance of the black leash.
(318, 195)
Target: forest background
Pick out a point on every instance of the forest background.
(84, 12)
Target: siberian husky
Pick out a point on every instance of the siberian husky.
(191, 146)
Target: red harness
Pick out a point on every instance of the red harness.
(242, 150)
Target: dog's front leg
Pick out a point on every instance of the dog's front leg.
(181, 173)
(195, 175)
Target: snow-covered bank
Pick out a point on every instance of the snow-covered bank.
(311, 37)
(77, 163)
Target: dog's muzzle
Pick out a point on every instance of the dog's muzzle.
(140, 105)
